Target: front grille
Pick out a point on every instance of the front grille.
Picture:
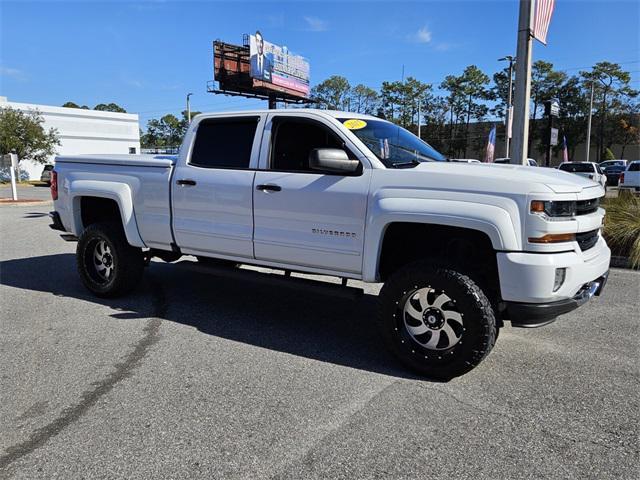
(584, 207)
(586, 240)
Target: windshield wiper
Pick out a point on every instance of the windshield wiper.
(411, 163)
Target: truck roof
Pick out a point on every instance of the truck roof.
(332, 113)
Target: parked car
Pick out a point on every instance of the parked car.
(610, 163)
(613, 173)
(46, 174)
(532, 162)
(460, 248)
(590, 170)
(464, 160)
(630, 178)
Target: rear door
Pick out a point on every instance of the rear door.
(306, 217)
(212, 190)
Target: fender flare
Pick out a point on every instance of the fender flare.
(118, 192)
(494, 221)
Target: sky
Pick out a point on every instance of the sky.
(146, 56)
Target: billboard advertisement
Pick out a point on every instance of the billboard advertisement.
(276, 65)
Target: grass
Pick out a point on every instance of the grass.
(622, 227)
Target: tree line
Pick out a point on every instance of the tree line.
(447, 110)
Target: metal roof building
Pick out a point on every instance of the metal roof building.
(82, 132)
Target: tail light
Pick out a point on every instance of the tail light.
(622, 177)
(54, 185)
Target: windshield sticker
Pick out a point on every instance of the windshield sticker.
(354, 124)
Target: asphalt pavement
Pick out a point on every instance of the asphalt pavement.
(205, 376)
(25, 191)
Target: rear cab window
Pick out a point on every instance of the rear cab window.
(577, 167)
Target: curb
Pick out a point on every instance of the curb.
(28, 202)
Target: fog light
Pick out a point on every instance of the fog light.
(561, 273)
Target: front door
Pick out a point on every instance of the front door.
(305, 217)
(212, 191)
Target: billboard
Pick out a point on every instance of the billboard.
(275, 65)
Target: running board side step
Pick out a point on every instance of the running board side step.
(275, 279)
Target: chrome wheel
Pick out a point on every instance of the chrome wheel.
(431, 319)
(103, 260)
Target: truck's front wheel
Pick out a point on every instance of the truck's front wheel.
(107, 264)
(436, 320)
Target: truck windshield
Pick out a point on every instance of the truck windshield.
(393, 145)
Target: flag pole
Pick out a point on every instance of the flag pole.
(522, 96)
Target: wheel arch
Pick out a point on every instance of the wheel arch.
(491, 222)
(94, 201)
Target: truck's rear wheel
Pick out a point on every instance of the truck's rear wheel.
(436, 320)
(107, 264)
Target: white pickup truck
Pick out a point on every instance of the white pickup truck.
(461, 248)
(630, 178)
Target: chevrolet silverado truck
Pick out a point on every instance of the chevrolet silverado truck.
(460, 248)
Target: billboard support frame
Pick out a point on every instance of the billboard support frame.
(272, 97)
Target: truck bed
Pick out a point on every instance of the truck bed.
(139, 184)
(163, 161)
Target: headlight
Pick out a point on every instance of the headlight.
(552, 210)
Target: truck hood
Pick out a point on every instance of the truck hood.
(502, 177)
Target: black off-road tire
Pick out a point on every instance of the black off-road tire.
(477, 332)
(126, 262)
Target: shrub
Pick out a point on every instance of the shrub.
(622, 227)
(608, 154)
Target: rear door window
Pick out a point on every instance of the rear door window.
(224, 143)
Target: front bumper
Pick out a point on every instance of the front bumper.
(539, 314)
(527, 282)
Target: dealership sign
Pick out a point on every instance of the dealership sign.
(275, 65)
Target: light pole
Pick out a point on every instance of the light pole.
(589, 124)
(523, 84)
(511, 59)
(189, 108)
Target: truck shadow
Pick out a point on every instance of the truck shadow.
(320, 327)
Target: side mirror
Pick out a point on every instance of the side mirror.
(332, 160)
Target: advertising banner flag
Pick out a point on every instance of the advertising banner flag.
(491, 146)
(544, 11)
(274, 64)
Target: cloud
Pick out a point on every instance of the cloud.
(13, 73)
(315, 24)
(423, 35)
(127, 79)
(275, 20)
(443, 47)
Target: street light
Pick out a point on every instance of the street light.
(188, 108)
(511, 59)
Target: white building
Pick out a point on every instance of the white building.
(82, 132)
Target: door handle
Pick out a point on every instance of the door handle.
(185, 182)
(269, 188)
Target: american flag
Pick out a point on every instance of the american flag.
(565, 150)
(491, 146)
(544, 11)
